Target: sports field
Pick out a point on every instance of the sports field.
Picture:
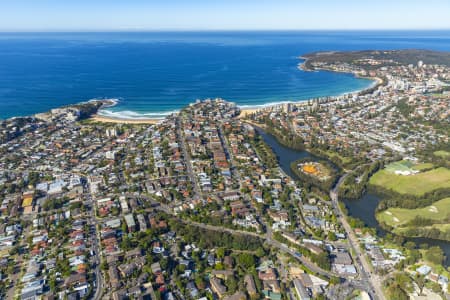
(394, 217)
(405, 165)
(414, 184)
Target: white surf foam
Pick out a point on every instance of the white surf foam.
(133, 115)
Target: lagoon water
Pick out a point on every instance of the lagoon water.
(155, 73)
(363, 208)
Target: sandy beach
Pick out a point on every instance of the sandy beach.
(247, 111)
(98, 118)
(244, 111)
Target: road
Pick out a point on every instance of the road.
(267, 238)
(364, 267)
(95, 245)
(235, 172)
(187, 159)
(305, 261)
(13, 291)
(96, 258)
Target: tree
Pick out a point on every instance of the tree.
(332, 236)
(14, 250)
(181, 268)
(164, 263)
(126, 243)
(323, 260)
(260, 252)
(414, 256)
(435, 255)
(33, 178)
(124, 228)
(396, 293)
(335, 280)
(52, 284)
(410, 245)
(231, 284)
(220, 252)
(435, 287)
(420, 281)
(246, 260)
(200, 282)
(423, 246)
(398, 286)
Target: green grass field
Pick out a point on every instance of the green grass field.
(399, 216)
(423, 166)
(417, 184)
(333, 154)
(399, 165)
(442, 153)
(405, 165)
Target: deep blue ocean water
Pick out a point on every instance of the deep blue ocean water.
(153, 73)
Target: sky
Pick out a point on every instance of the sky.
(100, 15)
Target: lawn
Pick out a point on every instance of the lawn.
(442, 153)
(417, 184)
(402, 165)
(333, 154)
(440, 227)
(423, 166)
(399, 216)
(405, 165)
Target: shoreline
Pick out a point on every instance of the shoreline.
(248, 109)
(377, 82)
(245, 109)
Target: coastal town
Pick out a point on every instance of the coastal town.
(197, 205)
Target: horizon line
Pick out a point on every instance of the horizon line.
(137, 30)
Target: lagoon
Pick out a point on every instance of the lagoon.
(363, 208)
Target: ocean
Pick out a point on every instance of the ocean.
(155, 73)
